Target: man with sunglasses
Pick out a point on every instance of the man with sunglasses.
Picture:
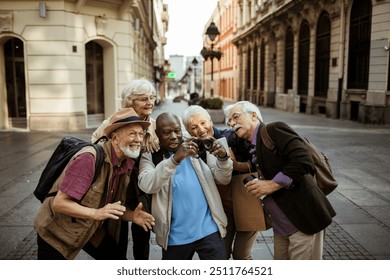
(299, 211)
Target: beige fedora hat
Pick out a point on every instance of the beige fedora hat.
(122, 118)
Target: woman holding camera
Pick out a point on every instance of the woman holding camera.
(189, 216)
(239, 243)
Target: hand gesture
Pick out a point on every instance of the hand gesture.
(218, 149)
(187, 148)
(142, 218)
(151, 143)
(110, 211)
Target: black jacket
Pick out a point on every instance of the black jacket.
(302, 202)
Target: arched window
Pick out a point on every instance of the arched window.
(15, 82)
(359, 44)
(94, 78)
(289, 60)
(303, 58)
(322, 56)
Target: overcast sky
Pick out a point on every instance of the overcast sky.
(187, 19)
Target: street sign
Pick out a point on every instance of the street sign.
(171, 75)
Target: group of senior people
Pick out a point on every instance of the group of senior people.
(183, 179)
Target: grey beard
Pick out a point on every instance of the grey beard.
(129, 153)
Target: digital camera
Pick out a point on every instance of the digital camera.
(204, 144)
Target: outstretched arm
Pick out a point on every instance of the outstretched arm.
(64, 204)
(139, 217)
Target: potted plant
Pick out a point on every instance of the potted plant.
(214, 108)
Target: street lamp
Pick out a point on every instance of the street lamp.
(195, 63)
(212, 32)
(188, 78)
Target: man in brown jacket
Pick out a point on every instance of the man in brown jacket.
(87, 216)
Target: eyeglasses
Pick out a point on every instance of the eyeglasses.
(145, 99)
(234, 117)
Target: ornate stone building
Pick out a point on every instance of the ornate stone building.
(327, 57)
(63, 63)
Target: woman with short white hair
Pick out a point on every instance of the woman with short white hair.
(139, 94)
(198, 123)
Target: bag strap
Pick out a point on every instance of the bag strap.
(103, 138)
(99, 160)
(233, 157)
(267, 141)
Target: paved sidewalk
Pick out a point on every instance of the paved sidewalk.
(360, 155)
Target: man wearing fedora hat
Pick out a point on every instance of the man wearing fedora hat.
(139, 94)
(88, 216)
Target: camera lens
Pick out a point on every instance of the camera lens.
(248, 178)
(208, 144)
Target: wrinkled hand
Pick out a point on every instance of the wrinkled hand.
(187, 148)
(260, 188)
(151, 143)
(218, 149)
(110, 211)
(142, 218)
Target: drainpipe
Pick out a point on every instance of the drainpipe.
(341, 58)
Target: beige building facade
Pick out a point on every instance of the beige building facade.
(326, 57)
(64, 63)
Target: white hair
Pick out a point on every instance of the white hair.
(192, 111)
(246, 107)
(138, 86)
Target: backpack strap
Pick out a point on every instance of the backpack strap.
(103, 138)
(267, 141)
(99, 160)
(98, 165)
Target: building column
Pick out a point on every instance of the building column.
(310, 90)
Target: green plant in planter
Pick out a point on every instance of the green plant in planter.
(212, 103)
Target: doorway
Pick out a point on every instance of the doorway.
(94, 62)
(15, 83)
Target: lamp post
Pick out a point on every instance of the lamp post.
(195, 63)
(188, 78)
(212, 32)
